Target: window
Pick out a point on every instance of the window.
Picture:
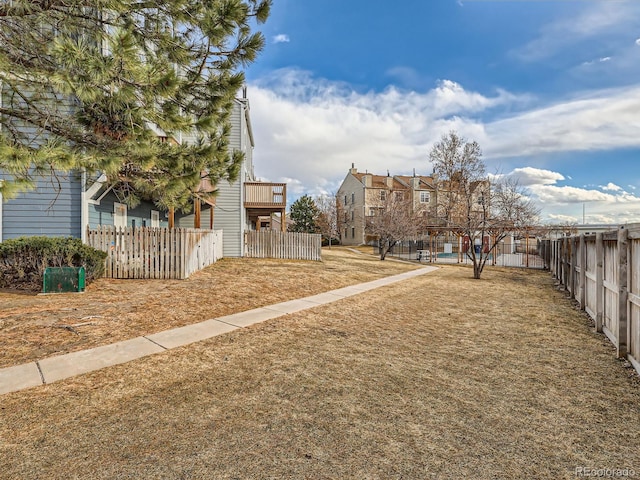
(345, 200)
(352, 215)
(353, 232)
(346, 216)
(399, 196)
(383, 195)
(372, 212)
(425, 197)
(119, 215)
(155, 219)
(353, 198)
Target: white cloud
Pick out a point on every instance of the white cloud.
(592, 206)
(562, 219)
(309, 131)
(312, 129)
(593, 62)
(568, 194)
(281, 38)
(602, 120)
(611, 187)
(528, 176)
(637, 41)
(597, 18)
(406, 77)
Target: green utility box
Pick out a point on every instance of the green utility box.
(63, 279)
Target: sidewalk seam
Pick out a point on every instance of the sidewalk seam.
(161, 346)
(40, 372)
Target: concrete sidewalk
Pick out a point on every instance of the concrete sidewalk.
(56, 368)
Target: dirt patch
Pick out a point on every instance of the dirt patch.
(37, 326)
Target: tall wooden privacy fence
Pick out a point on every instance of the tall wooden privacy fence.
(602, 272)
(163, 253)
(286, 245)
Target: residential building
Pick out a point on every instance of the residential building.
(361, 195)
(247, 203)
(66, 205)
(69, 202)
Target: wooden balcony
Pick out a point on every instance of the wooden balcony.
(262, 200)
(265, 195)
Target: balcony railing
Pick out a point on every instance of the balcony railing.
(265, 195)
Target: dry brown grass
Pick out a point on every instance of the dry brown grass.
(114, 310)
(441, 376)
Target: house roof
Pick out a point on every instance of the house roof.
(400, 182)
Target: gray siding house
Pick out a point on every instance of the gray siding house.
(247, 203)
(64, 208)
(68, 207)
(48, 211)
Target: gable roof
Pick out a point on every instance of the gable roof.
(399, 182)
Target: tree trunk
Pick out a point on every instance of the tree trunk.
(477, 270)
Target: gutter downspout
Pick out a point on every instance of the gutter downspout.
(84, 208)
(242, 179)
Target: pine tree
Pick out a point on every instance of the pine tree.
(304, 213)
(97, 85)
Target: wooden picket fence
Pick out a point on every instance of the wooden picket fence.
(285, 245)
(161, 253)
(602, 272)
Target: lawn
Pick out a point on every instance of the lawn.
(36, 326)
(440, 376)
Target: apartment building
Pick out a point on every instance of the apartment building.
(361, 195)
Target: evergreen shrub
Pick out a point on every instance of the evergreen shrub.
(23, 260)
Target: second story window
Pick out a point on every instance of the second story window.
(399, 196)
(352, 215)
(425, 197)
(345, 200)
(353, 198)
(383, 195)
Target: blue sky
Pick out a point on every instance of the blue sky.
(549, 89)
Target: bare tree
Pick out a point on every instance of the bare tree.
(327, 219)
(396, 219)
(482, 210)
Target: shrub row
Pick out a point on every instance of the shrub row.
(23, 260)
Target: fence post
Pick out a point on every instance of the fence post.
(573, 257)
(564, 249)
(583, 272)
(559, 260)
(599, 281)
(623, 245)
